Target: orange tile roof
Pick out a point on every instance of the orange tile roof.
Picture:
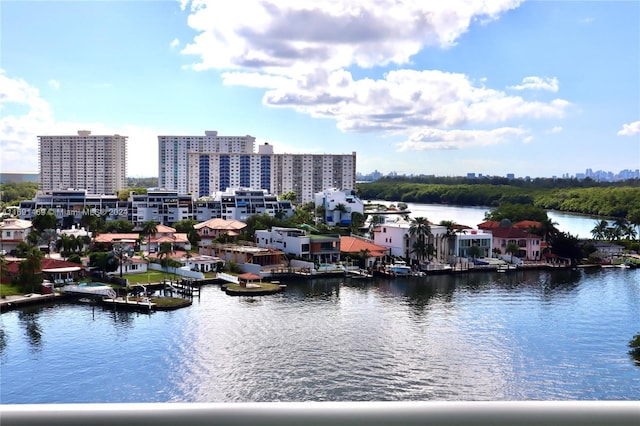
(526, 224)
(357, 245)
(108, 238)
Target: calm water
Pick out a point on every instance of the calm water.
(485, 336)
(577, 225)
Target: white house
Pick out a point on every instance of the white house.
(319, 248)
(396, 236)
(14, 231)
(462, 243)
(338, 206)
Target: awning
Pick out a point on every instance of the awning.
(59, 270)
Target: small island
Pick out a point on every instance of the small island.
(252, 285)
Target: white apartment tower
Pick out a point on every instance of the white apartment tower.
(173, 164)
(95, 163)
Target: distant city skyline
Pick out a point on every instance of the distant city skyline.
(437, 88)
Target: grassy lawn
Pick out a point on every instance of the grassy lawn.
(262, 287)
(13, 290)
(150, 277)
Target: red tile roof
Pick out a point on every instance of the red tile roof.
(357, 245)
(526, 224)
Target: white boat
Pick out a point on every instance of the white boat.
(398, 267)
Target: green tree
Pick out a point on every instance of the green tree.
(119, 226)
(164, 251)
(512, 249)
(29, 268)
(421, 230)
(599, 230)
(122, 253)
(149, 228)
(446, 237)
(634, 219)
(186, 226)
(289, 196)
(104, 261)
(475, 252)
(92, 223)
(44, 219)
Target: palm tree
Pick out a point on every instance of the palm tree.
(624, 228)
(122, 252)
(598, 232)
(634, 219)
(165, 249)
(446, 237)
(149, 228)
(512, 248)
(421, 230)
(30, 266)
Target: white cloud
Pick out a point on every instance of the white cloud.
(300, 53)
(555, 129)
(55, 84)
(296, 36)
(456, 139)
(404, 101)
(19, 131)
(630, 129)
(174, 43)
(537, 83)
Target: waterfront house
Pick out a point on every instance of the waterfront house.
(463, 241)
(396, 237)
(319, 248)
(13, 232)
(356, 247)
(57, 271)
(606, 250)
(529, 245)
(338, 206)
(133, 265)
(214, 228)
(192, 262)
(167, 234)
(110, 239)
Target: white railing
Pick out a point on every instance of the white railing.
(228, 277)
(593, 413)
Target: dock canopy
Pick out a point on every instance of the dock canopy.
(249, 277)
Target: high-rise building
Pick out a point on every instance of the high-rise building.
(173, 165)
(95, 163)
(203, 165)
(304, 174)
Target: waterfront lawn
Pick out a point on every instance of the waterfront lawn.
(151, 277)
(11, 290)
(259, 287)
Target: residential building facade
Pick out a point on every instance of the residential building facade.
(240, 204)
(70, 205)
(319, 248)
(96, 163)
(173, 164)
(304, 174)
(12, 232)
(338, 206)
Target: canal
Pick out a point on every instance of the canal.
(525, 335)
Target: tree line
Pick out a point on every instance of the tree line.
(599, 199)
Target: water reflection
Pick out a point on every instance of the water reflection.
(478, 336)
(29, 319)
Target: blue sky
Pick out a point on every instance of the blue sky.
(537, 88)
